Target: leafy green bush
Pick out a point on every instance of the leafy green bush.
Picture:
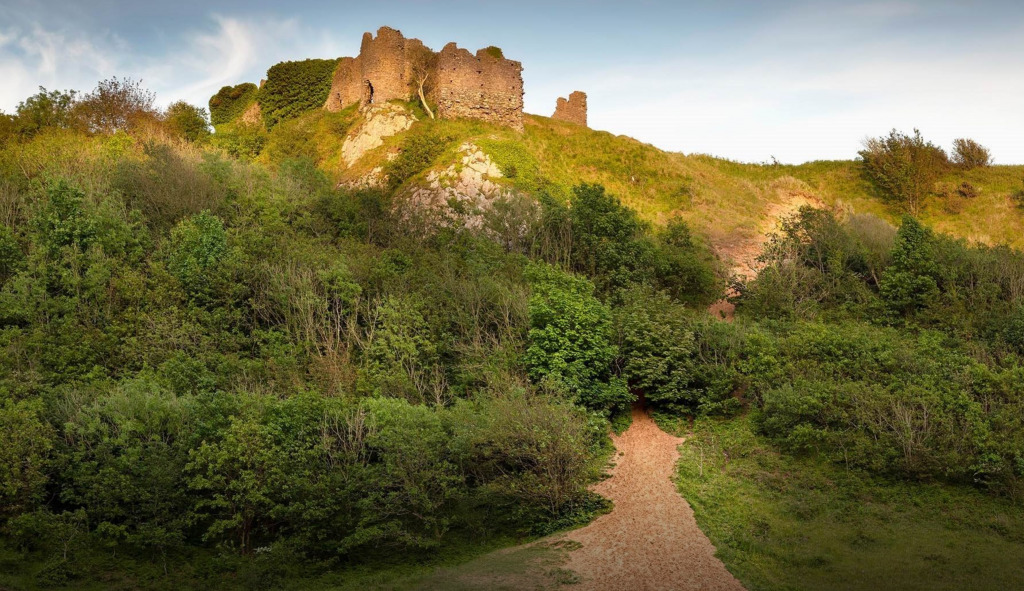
(26, 441)
(909, 284)
(534, 454)
(187, 121)
(199, 244)
(293, 88)
(570, 342)
(241, 140)
(906, 167)
(231, 101)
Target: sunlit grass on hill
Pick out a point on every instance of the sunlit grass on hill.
(721, 199)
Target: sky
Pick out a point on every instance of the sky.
(749, 80)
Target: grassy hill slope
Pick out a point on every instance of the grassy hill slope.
(727, 202)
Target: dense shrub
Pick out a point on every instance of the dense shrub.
(293, 88)
(198, 245)
(905, 167)
(167, 184)
(570, 340)
(231, 101)
(969, 154)
(187, 121)
(909, 284)
(609, 241)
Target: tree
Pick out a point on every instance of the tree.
(7, 128)
(969, 154)
(45, 109)
(608, 239)
(116, 105)
(909, 284)
(906, 167)
(570, 340)
(187, 121)
(424, 64)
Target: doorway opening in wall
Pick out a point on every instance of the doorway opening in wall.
(368, 93)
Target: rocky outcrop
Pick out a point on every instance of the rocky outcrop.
(466, 189)
(380, 121)
(573, 109)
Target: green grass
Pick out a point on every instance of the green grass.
(721, 199)
(780, 522)
(497, 563)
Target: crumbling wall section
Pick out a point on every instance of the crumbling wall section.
(347, 86)
(384, 66)
(485, 86)
(573, 110)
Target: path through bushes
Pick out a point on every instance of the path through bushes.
(650, 540)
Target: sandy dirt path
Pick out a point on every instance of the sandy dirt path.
(650, 540)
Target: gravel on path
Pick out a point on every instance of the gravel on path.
(650, 540)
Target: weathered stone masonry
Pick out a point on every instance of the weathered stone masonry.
(573, 110)
(485, 86)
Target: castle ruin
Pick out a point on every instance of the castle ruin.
(484, 86)
(573, 110)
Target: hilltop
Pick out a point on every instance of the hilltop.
(731, 204)
(404, 118)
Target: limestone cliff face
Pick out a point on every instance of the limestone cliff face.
(380, 121)
(484, 86)
(463, 191)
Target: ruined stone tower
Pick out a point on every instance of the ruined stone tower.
(485, 86)
(573, 110)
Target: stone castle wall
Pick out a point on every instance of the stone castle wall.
(484, 86)
(573, 110)
(347, 87)
(384, 66)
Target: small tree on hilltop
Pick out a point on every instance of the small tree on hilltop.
(424, 62)
(905, 166)
(969, 154)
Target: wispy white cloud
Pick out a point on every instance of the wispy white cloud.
(228, 51)
(805, 81)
